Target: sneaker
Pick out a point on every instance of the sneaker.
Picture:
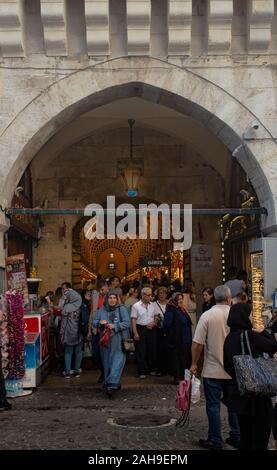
(71, 372)
(232, 442)
(77, 374)
(5, 406)
(208, 445)
(67, 376)
(142, 376)
(153, 373)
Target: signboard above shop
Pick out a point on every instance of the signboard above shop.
(201, 258)
(156, 263)
(16, 272)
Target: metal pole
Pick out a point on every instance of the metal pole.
(216, 212)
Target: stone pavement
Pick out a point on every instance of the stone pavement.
(75, 414)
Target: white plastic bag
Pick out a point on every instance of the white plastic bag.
(195, 389)
(87, 349)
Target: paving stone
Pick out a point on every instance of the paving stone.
(75, 415)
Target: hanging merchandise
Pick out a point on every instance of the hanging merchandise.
(16, 334)
(4, 336)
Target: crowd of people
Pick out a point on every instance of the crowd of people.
(169, 337)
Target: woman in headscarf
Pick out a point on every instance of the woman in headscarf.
(70, 331)
(116, 318)
(254, 413)
(178, 328)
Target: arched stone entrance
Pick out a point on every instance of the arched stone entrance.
(158, 82)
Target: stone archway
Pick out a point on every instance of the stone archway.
(155, 81)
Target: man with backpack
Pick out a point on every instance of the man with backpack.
(70, 329)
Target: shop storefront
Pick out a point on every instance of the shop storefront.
(155, 268)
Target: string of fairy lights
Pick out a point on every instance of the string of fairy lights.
(222, 254)
(87, 272)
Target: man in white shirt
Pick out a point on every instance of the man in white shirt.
(211, 332)
(144, 323)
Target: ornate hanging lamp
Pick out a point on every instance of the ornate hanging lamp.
(131, 169)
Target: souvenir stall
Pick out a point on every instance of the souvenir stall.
(13, 343)
(36, 328)
(24, 330)
(36, 347)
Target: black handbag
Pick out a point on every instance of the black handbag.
(255, 376)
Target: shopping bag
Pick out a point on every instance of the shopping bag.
(105, 338)
(183, 399)
(195, 389)
(87, 352)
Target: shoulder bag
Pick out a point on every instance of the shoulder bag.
(255, 376)
(127, 344)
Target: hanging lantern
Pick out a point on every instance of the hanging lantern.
(131, 169)
(131, 176)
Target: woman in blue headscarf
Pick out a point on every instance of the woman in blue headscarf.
(115, 317)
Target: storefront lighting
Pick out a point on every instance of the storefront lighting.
(257, 284)
(222, 252)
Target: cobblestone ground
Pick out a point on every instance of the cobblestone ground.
(75, 414)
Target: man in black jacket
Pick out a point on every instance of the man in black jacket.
(254, 412)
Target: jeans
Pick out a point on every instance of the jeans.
(215, 390)
(68, 352)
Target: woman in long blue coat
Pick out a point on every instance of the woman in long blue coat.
(116, 318)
